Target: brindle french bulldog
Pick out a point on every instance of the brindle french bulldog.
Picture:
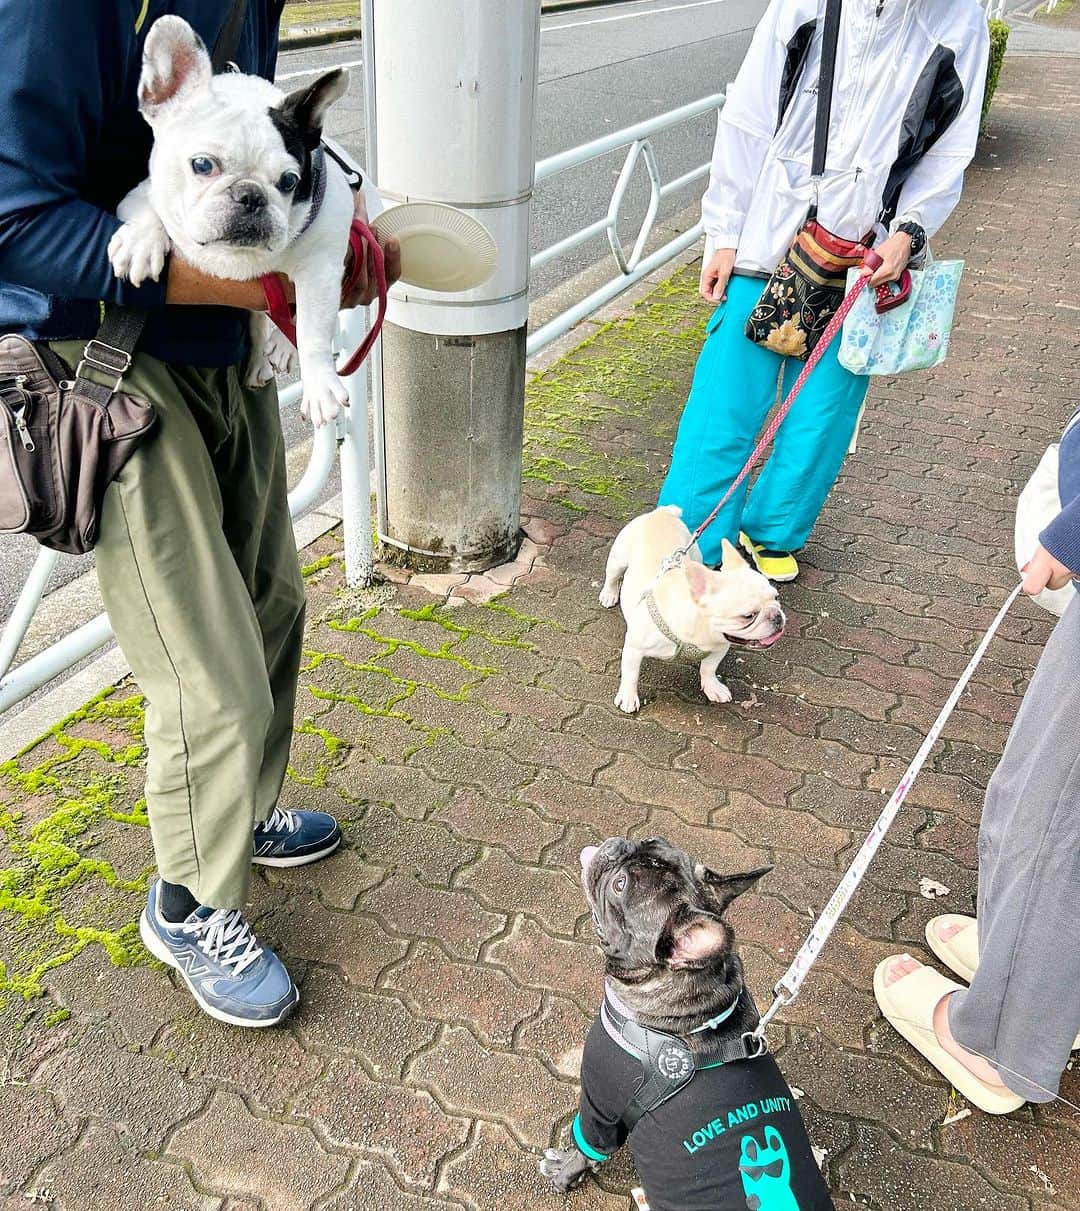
(671, 1062)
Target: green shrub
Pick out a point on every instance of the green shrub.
(999, 39)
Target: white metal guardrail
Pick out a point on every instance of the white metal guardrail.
(633, 266)
(350, 440)
(996, 8)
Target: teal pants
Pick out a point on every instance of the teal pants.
(734, 388)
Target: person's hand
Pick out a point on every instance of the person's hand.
(716, 274)
(895, 253)
(366, 290)
(1043, 571)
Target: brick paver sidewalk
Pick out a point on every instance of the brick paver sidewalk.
(447, 966)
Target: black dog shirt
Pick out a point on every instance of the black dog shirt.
(732, 1138)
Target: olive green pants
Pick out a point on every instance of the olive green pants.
(198, 569)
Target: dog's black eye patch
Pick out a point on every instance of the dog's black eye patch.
(296, 145)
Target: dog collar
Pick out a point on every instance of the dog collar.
(720, 1018)
(689, 650)
(318, 188)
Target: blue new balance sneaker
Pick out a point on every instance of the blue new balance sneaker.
(295, 838)
(232, 977)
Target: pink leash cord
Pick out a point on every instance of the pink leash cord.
(817, 353)
(360, 235)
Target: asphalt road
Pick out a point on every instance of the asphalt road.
(600, 69)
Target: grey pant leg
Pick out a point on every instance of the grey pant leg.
(1022, 1011)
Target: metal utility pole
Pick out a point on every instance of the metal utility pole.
(453, 86)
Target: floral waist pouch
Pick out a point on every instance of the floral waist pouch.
(804, 291)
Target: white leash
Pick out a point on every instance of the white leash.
(787, 988)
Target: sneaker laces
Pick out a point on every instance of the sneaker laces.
(226, 937)
(281, 820)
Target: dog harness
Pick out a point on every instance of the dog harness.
(318, 188)
(733, 1137)
(689, 650)
(668, 1062)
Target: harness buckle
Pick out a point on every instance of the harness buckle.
(107, 358)
(756, 1045)
(672, 561)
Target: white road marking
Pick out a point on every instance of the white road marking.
(315, 71)
(652, 12)
(544, 29)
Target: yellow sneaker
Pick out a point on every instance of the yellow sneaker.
(779, 566)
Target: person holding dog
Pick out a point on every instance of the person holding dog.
(196, 557)
(898, 128)
(1006, 1039)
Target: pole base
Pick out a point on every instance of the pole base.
(489, 556)
(453, 413)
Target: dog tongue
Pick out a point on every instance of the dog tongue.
(767, 643)
(587, 855)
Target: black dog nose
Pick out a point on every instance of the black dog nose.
(247, 194)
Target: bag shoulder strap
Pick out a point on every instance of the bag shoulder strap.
(229, 37)
(829, 38)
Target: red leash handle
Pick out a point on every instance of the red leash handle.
(359, 235)
(277, 305)
(361, 238)
(816, 354)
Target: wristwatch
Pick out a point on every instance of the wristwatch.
(918, 237)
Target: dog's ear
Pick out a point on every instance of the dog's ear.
(175, 65)
(697, 940)
(722, 889)
(732, 556)
(697, 578)
(306, 108)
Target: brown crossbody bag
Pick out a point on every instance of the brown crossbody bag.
(64, 438)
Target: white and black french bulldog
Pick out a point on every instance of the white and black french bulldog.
(240, 187)
(670, 1063)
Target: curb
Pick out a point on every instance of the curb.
(108, 666)
(308, 38)
(305, 39)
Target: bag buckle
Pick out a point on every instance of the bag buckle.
(105, 357)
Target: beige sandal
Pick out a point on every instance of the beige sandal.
(908, 1005)
(960, 953)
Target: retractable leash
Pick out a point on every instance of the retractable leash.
(787, 988)
(871, 262)
(361, 238)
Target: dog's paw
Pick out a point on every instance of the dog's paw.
(565, 1167)
(609, 596)
(715, 690)
(271, 354)
(259, 371)
(628, 701)
(137, 251)
(324, 397)
(278, 350)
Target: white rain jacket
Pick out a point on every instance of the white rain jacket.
(907, 96)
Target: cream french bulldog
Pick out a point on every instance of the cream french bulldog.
(239, 187)
(689, 608)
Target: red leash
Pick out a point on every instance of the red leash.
(816, 354)
(361, 238)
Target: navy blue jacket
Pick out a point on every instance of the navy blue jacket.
(1062, 536)
(72, 143)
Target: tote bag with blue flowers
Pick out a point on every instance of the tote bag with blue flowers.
(913, 336)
